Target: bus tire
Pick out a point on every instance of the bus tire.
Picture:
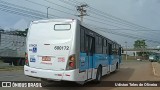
(98, 75)
(117, 67)
(81, 83)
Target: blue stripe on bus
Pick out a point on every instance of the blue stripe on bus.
(103, 59)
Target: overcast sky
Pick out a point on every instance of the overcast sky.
(141, 12)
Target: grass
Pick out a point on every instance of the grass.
(1, 61)
(11, 68)
(128, 60)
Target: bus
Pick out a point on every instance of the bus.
(67, 50)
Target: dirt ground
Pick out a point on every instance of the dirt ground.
(156, 68)
(129, 71)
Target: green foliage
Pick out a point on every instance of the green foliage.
(21, 33)
(140, 44)
(18, 32)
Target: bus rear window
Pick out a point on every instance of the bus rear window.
(62, 27)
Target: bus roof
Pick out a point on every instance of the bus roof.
(54, 20)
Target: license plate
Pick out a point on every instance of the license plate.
(46, 58)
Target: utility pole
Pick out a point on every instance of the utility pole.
(83, 12)
(126, 49)
(47, 11)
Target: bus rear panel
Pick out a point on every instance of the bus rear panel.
(51, 50)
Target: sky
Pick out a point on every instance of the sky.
(140, 12)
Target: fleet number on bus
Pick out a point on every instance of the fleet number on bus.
(61, 48)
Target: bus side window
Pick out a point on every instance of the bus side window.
(110, 48)
(116, 49)
(113, 48)
(86, 43)
(104, 46)
(119, 51)
(82, 40)
(98, 44)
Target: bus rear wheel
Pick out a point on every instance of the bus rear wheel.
(117, 67)
(98, 75)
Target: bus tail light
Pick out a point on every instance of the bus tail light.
(26, 59)
(71, 62)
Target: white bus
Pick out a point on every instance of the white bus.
(66, 50)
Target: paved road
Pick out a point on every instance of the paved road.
(130, 71)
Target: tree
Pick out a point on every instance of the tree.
(140, 44)
(26, 30)
(21, 33)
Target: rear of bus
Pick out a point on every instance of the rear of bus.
(51, 50)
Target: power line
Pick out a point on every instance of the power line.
(121, 21)
(78, 3)
(15, 11)
(112, 29)
(109, 20)
(93, 11)
(67, 2)
(121, 34)
(115, 18)
(36, 3)
(50, 7)
(137, 29)
(24, 8)
(104, 24)
(98, 14)
(103, 14)
(59, 5)
(22, 12)
(119, 29)
(129, 36)
(80, 8)
(19, 10)
(5, 6)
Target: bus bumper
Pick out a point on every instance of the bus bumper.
(68, 75)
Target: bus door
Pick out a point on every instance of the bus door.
(90, 49)
(119, 53)
(110, 55)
